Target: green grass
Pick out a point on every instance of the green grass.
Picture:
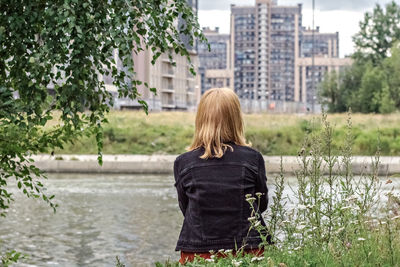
(373, 251)
(132, 132)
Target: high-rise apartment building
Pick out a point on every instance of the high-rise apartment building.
(215, 67)
(244, 49)
(325, 44)
(284, 50)
(305, 92)
(265, 41)
(326, 59)
(177, 88)
(271, 53)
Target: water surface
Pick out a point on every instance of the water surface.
(100, 217)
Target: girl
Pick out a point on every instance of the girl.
(213, 178)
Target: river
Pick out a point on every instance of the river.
(135, 217)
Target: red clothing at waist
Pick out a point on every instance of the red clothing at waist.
(190, 256)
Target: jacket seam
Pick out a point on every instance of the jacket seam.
(242, 195)
(194, 185)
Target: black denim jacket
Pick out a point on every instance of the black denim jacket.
(211, 195)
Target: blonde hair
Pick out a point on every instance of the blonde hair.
(219, 120)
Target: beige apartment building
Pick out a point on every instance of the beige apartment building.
(177, 88)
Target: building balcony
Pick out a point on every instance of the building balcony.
(168, 104)
(168, 73)
(190, 77)
(168, 90)
(165, 59)
(181, 105)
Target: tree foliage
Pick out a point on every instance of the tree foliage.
(363, 87)
(378, 32)
(391, 66)
(372, 83)
(53, 54)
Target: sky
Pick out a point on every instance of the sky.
(341, 16)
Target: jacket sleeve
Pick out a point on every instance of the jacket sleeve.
(261, 185)
(182, 198)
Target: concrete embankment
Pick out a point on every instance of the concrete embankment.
(163, 164)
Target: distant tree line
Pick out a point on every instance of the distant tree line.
(372, 83)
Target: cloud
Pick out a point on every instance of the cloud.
(324, 5)
(347, 25)
(215, 18)
(353, 5)
(222, 4)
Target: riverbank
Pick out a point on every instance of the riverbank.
(163, 164)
